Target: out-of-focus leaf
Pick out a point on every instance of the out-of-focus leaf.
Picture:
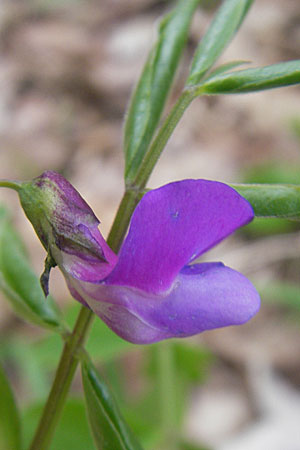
(191, 365)
(273, 172)
(108, 426)
(262, 226)
(192, 362)
(46, 348)
(252, 80)
(10, 427)
(295, 127)
(222, 29)
(19, 283)
(272, 200)
(150, 95)
(148, 430)
(72, 431)
(281, 292)
(21, 355)
(190, 446)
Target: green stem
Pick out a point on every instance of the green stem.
(128, 203)
(62, 382)
(10, 184)
(167, 395)
(161, 139)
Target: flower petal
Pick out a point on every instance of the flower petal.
(172, 226)
(84, 268)
(205, 296)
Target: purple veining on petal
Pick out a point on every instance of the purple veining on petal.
(172, 226)
(87, 269)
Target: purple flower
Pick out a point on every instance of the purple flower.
(151, 291)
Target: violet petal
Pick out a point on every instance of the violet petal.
(172, 226)
(205, 296)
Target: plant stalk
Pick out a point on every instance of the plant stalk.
(10, 184)
(62, 381)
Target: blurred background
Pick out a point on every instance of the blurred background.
(67, 69)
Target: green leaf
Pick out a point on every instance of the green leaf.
(271, 172)
(226, 67)
(272, 200)
(108, 426)
(150, 95)
(222, 29)
(10, 428)
(19, 283)
(252, 80)
(72, 431)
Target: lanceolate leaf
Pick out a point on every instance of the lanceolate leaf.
(222, 29)
(10, 428)
(108, 426)
(152, 89)
(272, 200)
(251, 80)
(18, 281)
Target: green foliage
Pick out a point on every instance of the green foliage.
(19, 283)
(108, 426)
(295, 127)
(22, 355)
(274, 172)
(223, 68)
(222, 29)
(192, 364)
(272, 200)
(283, 293)
(252, 80)
(72, 431)
(189, 446)
(10, 427)
(103, 344)
(150, 95)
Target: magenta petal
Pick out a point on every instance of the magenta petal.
(172, 226)
(205, 296)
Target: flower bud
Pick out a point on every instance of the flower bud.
(61, 219)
